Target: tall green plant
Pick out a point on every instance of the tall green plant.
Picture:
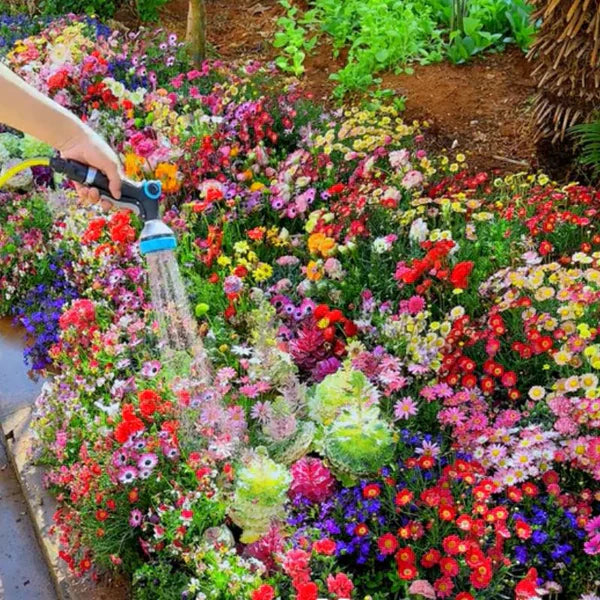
(587, 136)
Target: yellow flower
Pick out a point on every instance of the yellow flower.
(167, 174)
(460, 158)
(133, 165)
(262, 272)
(257, 186)
(537, 392)
(314, 271)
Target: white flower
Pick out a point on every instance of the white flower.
(418, 231)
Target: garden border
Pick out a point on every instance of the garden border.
(40, 507)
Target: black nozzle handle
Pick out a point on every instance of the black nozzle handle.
(141, 197)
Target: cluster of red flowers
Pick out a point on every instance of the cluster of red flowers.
(434, 264)
(296, 564)
(460, 182)
(81, 316)
(119, 229)
(459, 551)
(98, 95)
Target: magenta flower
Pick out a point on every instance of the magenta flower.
(127, 474)
(311, 479)
(135, 518)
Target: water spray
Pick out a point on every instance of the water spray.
(157, 243)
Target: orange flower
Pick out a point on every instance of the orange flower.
(313, 271)
(167, 173)
(133, 165)
(319, 243)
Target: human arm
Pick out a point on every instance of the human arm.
(24, 108)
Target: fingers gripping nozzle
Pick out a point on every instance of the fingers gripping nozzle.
(141, 197)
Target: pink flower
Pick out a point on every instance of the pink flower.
(340, 585)
(405, 408)
(412, 179)
(422, 587)
(311, 479)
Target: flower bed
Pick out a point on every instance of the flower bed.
(403, 395)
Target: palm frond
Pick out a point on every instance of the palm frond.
(587, 136)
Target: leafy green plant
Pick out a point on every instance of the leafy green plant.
(391, 34)
(587, 136)
(147, 10)
(292, 39)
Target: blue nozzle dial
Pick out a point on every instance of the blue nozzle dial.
(152, 189)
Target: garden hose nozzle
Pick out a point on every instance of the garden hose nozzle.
(141, 197)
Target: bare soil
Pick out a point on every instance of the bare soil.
(482, 108)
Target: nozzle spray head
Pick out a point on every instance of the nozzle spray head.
(156, 236)
(140, 197)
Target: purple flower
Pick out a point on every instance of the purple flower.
(127, 474)
(135, 518)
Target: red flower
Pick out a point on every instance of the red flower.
(325, 546)
(526, 588)
(530, 489)
(387, 543)
(460, 273)
(403, 497)
(340, 585)
(371, 491)
(405, 555)
(474, 556)
(443, 587)
(447, 513)
(481, 576)
(448, 566)
(545, 248)
(125, 429)
(509, 379)
(307, 591)
(361, 529)
(430, 558)
(148, 402)
(101, 514)
(523, 530)
(264, 592)
(450, 544)
(406, 571)
(464, 596)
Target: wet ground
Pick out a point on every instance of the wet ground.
(23, 571)
(17, 388)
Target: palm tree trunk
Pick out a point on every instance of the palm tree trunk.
(196, 31)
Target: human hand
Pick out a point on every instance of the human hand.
(89, 148)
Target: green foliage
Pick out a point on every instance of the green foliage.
(292, 39)
(147, 10)
(101, 8)
(391, 34)
(158, 582)
(588, 140)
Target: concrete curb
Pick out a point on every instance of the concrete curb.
(41, 507)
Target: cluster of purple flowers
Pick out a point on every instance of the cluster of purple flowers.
(555, 533)
(39, 311)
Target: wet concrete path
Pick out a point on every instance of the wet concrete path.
(23, 571)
